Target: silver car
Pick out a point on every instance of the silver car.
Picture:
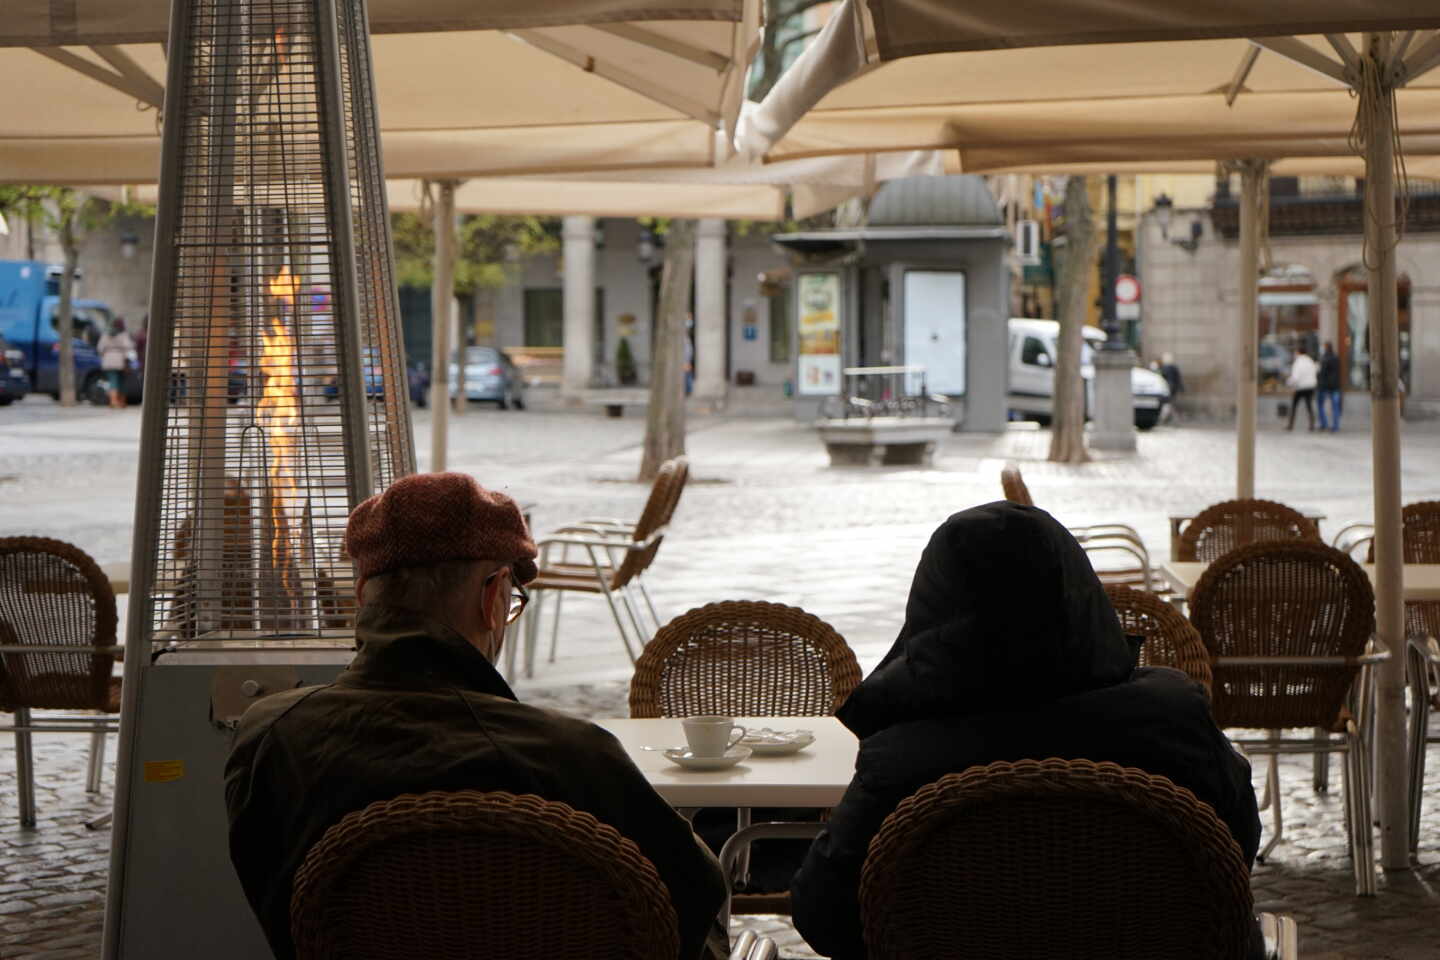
(491, 377)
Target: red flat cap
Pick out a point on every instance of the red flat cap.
(430, 518)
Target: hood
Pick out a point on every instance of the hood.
(1005, 611)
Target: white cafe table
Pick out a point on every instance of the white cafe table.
(1422, 580)
(814, 777)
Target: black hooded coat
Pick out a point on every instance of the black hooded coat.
(1010, 650)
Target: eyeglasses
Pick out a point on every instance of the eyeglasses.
(518, 596)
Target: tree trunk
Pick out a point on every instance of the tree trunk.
(1067, 424)
(64, 315)
(665, 419)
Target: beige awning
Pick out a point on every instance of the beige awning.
(1007, 102)
(624, 85)
(733, 191)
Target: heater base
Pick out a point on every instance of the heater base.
(179, 896)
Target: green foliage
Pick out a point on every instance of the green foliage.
(487, 244)
(625, 370)
(67, 212)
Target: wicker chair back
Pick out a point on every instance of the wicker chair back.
(1420, 523)
(1170, 639)
(465, 874)
(1055, 858)
(54, 594)
(1222, 527)
(744, 658)
(659, 507)
(1014, 485)
(1295, 599)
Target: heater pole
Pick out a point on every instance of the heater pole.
(441, 295)
(1391, 753)
(345, 295)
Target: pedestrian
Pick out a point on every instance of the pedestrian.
(1327, 386)
(1173, 380)
(1010, 650)
(141, 337)
(440, 565)
(1302, 378)
(115, 348)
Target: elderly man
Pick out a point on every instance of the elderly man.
(440, 565)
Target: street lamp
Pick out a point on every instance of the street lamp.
(1164, 212)
(647, 247)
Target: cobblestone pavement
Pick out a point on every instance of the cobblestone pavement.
(764, 518)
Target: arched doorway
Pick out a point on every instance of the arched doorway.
(1353, 329)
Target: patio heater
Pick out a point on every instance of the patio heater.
(275, 400)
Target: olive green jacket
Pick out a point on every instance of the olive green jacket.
(420, 709)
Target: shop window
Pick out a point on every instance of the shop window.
(1289, 319)
(1354, 327)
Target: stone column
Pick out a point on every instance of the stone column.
(710, 285)
(1114, 425)
(579, 252)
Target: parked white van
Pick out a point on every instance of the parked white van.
(1032, 374)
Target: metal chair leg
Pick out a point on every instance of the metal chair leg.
(532, 632)
(97, 760)
(632, 609)
(1362, 847)
(1419, 732)
(101, 821)
(25, 768)
(1272, 800)
(555, 626)
(654, 617)
(1321, 764)
(741, 880)
(619, 625)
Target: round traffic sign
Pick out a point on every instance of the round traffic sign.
(1127, 289)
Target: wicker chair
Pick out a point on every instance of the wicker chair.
(1170, 639)
(1055, 858)
(464, 874)
(1106, 539)
(57, 651)
(1287, 625)
(612, 563)
(1222, 527)
(744, 658)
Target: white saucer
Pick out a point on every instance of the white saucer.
(689, 761)
(780, 744)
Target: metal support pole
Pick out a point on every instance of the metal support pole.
(1108, 320)
(1252, 182)
(1390, 729)
(441, 325)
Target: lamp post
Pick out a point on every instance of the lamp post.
(1108, 321)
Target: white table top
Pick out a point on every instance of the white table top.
(1422, 580)
(815, 777)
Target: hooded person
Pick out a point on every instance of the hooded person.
(440, 565)
(1010, 650)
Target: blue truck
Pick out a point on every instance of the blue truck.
(29, 301)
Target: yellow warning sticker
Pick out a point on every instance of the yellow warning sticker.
(164, 771)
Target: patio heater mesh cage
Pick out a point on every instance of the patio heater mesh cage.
(280, 398)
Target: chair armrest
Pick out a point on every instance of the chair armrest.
(114, 651)
(579, 541)
(1282, 936)
(1364, 660)
(1426, 647)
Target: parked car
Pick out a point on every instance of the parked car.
(1032, 374)
(14, 381)
(374, 377)
(491, 377)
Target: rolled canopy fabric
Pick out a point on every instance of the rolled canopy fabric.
(598, 92)
(1012, 87)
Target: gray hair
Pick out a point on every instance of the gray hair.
(421, 587)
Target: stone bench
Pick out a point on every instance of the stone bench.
(883, 441)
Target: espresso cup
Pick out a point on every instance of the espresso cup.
(711, 736)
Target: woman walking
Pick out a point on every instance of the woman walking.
(115, 348)
(1303, 376)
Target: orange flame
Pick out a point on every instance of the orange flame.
(279, 408)
(281, 43)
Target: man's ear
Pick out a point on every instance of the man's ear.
(496, 598)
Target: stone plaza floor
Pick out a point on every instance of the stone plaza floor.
(763, 518)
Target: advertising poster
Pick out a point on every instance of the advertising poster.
(819, 360)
